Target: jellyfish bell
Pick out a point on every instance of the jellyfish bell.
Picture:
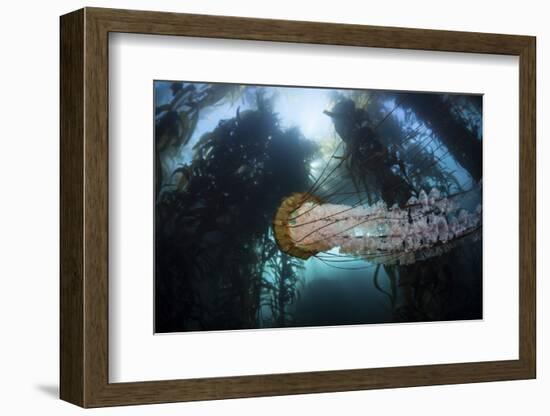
(305, 226)
(283, 224)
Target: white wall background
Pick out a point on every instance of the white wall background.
(29, 207)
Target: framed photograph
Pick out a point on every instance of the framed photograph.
(257, 207)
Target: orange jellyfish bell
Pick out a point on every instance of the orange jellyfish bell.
(285, 218)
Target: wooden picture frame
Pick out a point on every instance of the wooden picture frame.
(84, 207)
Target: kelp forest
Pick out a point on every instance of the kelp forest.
(293, 207)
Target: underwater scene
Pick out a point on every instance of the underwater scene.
(284, 206)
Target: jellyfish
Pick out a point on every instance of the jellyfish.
(368, 201)
(424, 227)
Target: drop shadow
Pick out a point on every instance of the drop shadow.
(51, 390)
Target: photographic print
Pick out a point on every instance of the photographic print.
(290, 206)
